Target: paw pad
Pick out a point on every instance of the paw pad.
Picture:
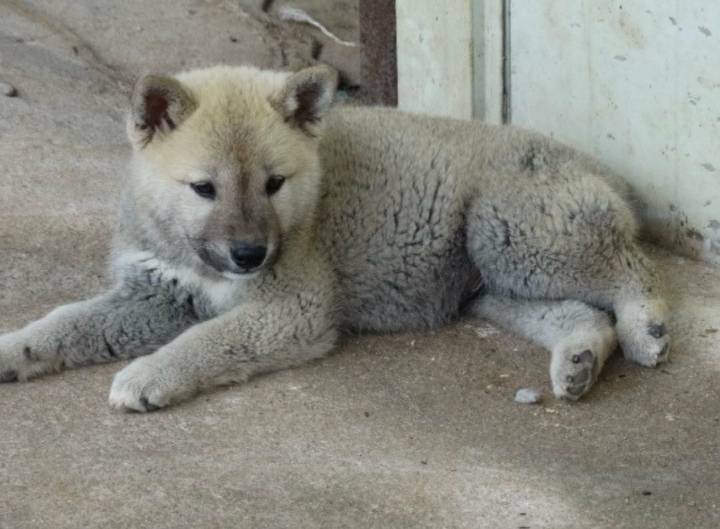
(580, 377)
(575, 391)
(583, 368)
(657, 330)
(585, 356)
(149, 406)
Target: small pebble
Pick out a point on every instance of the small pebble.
(7, 89)
(528, 396)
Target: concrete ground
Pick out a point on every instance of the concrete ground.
(405, 431)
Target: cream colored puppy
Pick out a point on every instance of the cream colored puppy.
(258, 225)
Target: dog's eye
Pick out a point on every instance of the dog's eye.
(204, 189)
(274, 183)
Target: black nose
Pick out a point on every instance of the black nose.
(248, 256)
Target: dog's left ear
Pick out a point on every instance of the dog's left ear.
(306, 96)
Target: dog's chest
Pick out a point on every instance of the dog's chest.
(216, 296)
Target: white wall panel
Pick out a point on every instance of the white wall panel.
(450, 58)
(637, 84)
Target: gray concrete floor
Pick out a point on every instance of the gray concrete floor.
(405, 431)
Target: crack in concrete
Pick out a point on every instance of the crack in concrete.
(79, 47)
(292, 47)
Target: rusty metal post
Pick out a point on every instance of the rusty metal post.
(379, 67)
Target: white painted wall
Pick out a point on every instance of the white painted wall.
(637, 84)
(450, 58)
(433, 76)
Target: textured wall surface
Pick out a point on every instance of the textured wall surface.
(638, 85)
(435, 57)
(450, 58)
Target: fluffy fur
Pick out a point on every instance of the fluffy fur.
(384, 221)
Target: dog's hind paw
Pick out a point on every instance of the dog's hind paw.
(643, 333)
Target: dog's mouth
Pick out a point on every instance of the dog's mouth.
(213, 260)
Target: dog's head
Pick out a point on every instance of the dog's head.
(226, 160)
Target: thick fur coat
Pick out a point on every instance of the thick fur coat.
(259, 224)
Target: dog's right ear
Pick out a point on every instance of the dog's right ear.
(306, 97)
(158, 106)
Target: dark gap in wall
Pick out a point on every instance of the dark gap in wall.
(506, 72)
(378, 37)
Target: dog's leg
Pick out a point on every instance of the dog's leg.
(572, 239)
(641, 310)
(286, 329)
(580, 337)
(123, 323)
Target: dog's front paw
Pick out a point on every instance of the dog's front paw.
(20, 362)
(145, 386)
